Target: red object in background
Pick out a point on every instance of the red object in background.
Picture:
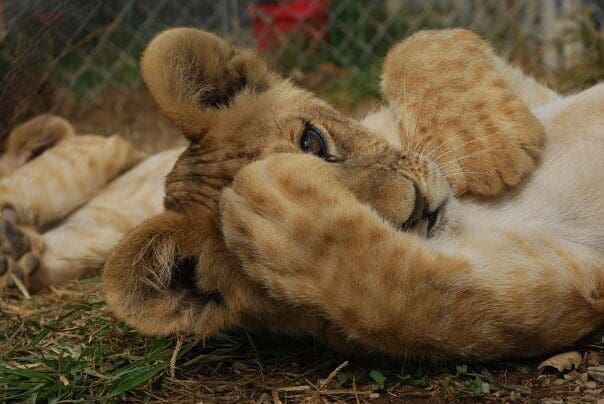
(271, 22)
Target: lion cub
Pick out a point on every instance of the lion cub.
(418, 232)
(462, 220)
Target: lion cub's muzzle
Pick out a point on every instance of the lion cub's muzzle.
(410, 200)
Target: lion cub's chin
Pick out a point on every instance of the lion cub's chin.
(448, 222)
(440, 228)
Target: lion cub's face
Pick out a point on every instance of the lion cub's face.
(406, 189)
(234, 110)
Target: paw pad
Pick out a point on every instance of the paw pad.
(12, 241)
(17, 260)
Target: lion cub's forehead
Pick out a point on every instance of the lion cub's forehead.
(256, 125)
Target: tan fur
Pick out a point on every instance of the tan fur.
(325, 237)
(101, 223)
(477, 111)
(31, 139)
(257, 233)
(47, 189)
(65, 177)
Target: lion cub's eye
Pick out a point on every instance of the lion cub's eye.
(312, 141)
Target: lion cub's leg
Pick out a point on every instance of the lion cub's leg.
(456, 103)
(65, 177)
(484, 293)
(48, 188)
(80, 245)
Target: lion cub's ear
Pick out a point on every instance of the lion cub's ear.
(32, 138)
(191, 73)
(455, 105)
(151, 279)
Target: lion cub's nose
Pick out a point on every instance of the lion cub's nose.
(418, 209)
(421, 218)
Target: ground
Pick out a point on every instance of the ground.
(65, 345)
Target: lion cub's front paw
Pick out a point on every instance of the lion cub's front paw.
(487, 166)
(20, 251)
(270, 209)
(455, 107)
(293, 224)
(274, 216)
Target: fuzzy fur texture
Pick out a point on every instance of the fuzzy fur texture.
(504, 259)
(28, 141)
(65, 206)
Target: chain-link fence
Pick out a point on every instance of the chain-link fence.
(57, 54)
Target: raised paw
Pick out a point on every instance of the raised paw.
(271, 209)
(289, 220)
(466, 117)
(20, 251)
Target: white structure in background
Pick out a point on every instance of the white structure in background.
(551, 27)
